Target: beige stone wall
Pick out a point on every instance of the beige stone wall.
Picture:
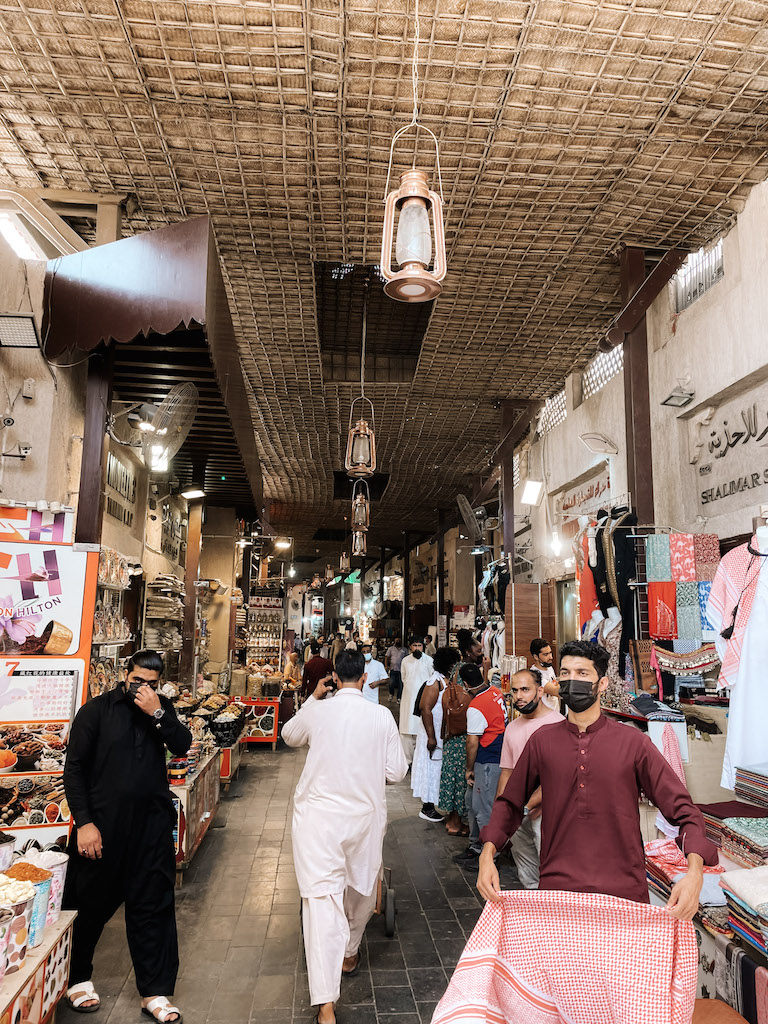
(217, 561)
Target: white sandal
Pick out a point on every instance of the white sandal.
(86, 994)
(164, 1010)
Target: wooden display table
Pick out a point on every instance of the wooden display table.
(230, 761)
(196, 803)
(31, 993)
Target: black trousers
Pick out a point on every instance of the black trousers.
(141, 874)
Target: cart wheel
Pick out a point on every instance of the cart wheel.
(389, 913)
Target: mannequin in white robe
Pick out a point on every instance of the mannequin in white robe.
(415, 670)
(339, 820)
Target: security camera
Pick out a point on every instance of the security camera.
(24, 449)
(8, 421)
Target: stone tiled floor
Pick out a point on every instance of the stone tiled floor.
(239, 927)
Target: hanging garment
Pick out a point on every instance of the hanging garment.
(682, 557)
(622, 568)
(662, 611)
(588, 602)
(658, 564)
(706, 554)
(748, 711)
(502, 582)
(730, 604)
(600, 567)
(671, 750)
(611, 640)
(549, 957)
(688, 616)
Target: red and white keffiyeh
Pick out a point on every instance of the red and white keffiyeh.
(548, 957)
(735, 583)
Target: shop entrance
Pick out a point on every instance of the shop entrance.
(567, 611)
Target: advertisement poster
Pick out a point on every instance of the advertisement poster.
(47, 599)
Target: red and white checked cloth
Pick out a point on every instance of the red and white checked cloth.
(548, 957)
(735, 585)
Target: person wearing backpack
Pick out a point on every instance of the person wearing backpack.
(453, 783)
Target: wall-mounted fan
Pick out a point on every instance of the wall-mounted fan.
(159, 430)
(477, 521)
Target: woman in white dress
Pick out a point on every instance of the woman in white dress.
(428, 755)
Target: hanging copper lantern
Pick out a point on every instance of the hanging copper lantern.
(359, 544)
(414, 201)
(344, 562)
(360, 459)
(361, 506)
(330, 575)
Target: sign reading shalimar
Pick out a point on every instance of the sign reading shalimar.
(729, 450)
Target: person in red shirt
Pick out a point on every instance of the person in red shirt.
(591, 771)
(316, 669)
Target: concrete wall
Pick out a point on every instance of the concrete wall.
(720, 341)
(52, 422)
(217, 561)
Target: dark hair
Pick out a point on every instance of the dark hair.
(538, 645)
(445, 658)
(349, 666)
(595, 653)
(149, 660)
(428, 636)
(314, 646)
(533, 673)
(412, 639)
(471, 676)
(465, 639)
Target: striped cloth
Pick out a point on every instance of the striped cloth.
(735, 584)
(548, 957)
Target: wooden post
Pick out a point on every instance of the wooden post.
(440, 582)
(636, 393)
(194, 539)
(509, 416)
(406, 616)
(93, 464)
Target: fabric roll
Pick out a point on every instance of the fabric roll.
(706, 555)
(707, 627)
(658, 566)
(688, 614)
(682, 557)
(662, 611)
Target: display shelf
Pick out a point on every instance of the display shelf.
(262, 721)
(32, 993)
(196, 803)
(230, 760)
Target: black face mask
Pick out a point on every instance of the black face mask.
(133, 687)
(578, 695)
(417, 654)
(529, 708)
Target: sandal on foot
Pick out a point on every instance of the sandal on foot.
(82, 993)
(164, 1010)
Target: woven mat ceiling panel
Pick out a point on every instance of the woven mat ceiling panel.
(566, 130)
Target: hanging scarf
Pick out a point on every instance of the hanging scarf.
(730, 603)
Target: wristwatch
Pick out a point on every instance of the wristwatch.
(157, 715)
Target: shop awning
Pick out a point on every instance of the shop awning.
(154, 284)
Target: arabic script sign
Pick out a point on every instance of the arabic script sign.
(729, 452)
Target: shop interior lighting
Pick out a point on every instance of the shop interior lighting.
(478, 549)
(158, 458)
(599, 444)
(359, 544)
(292, 571)
(557, 545)
(682, 394)
(344, 562)
(533, 491)
(18, 330)
(283, 543)
(412, 203)
(361, 506)
(192, 492)
(16, 235)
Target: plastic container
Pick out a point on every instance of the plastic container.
(56, 862)
(39, 911)
(6, 855)
(6, 916)
(18, 934)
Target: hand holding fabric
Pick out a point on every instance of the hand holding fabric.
(684, 898)
(488, 883)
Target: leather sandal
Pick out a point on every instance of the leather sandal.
(82, 993)
(164, 1010)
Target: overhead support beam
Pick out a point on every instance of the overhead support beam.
(637, 402)
(515, 418)
(93, 462)
(645, 293)
(440, 582)
(406, 615)
(28, 204)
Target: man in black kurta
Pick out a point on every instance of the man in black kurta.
(121, 850)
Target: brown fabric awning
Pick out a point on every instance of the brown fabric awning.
(152, 283)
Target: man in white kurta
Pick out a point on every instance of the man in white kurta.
(415, 670)
(339, 821)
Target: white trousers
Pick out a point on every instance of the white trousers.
(333, 930)
(409, 745)
(526, 847)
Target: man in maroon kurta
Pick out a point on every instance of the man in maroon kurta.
(591, 771)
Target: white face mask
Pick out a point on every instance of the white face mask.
(368, 656)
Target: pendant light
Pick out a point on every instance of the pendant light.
(360, 461)
(361, 506)
(359, 544)
(344, 562)
(413, 203)
(330, 575)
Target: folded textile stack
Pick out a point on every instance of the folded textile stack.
(168, 581)
(752, 784)
(654, 710)
(665, 865)
(715, 814)
(164, 606)
(162, 637)
(746, 891)
(745, 841)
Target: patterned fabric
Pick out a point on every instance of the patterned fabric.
(550, 957)
(670, 748)
(735, 584)
(706, 554)
(453, 781)
(706, 626)
(658, 566)
(662, 611)
(682, 557)
(761, 994)
(688, 616)
(685, 645)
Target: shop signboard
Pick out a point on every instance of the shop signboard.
(18, 524)
(585, 496)
(442, 630)
(47, 598)
(729, 453)
(463, 616)
(265, 602)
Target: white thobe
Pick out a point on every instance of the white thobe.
(414, 671)
(340, 806)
